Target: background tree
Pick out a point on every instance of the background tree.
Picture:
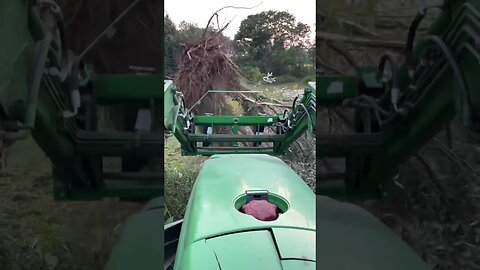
(176, 37)
(273, 41)
(171, 46)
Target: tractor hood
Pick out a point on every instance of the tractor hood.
(216, 235)
(348, 231)
(279, 248)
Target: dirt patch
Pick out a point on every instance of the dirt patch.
(36, 231)
(301, 158)
(436, 205)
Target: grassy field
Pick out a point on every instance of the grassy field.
(180, 175)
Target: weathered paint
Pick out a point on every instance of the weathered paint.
(214, 233)
(140, 245)
(349, 237)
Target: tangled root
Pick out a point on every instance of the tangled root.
(203, 66)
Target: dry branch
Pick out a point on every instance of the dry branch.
(330, 67)
(344, 54)
(264, 103)
(376, 43)
(350, 24)
(215, 14)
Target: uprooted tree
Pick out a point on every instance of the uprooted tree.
(206, 64)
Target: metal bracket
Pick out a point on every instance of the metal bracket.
(4, 145)
(256, 195)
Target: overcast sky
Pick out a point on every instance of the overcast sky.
(199, 12)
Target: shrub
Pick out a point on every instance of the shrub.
(309, 78)
(287, 78)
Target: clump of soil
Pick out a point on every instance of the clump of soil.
(206, 65)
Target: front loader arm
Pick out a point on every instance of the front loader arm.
(191, 130)
(396, 117)
(48, 92)
(26, 106)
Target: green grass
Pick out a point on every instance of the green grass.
(180, 175)
(274, 91)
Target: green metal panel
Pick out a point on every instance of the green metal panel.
(295, 244)
(348, 237)
(140, 245)
(223, 179)
(312, 87)
(198, 255)
(127, 87)
(303, 117)
(231, 137)
(298, 265)
(181, 122)
(247, 250)
(277, 247)
(154, 203)
(211, 152)
(369, 78)
(334, 89)
(231, 176)
(173, 122)
(170, 109)
(15, 55)
(231, 120)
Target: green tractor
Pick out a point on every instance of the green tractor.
(248, 209)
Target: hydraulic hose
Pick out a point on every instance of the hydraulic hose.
(410, 40)
(33, 92)
(464, 95)
(395, 89)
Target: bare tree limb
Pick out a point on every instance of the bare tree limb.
(398, 45)
(328, 66)
(350, 24)
(344, 54)
(264, 103)
(216, 14)
(433, 179)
